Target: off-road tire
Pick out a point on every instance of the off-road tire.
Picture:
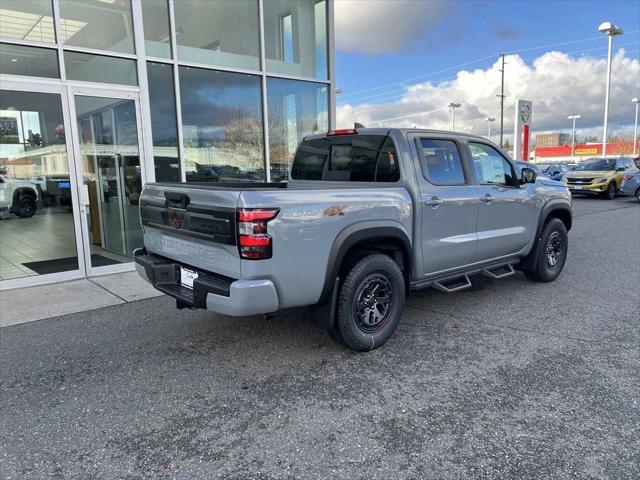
(544, 270)
(360, 283)
(26, 207)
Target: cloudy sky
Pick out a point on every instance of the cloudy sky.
(400, 62)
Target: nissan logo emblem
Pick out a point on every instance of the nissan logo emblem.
(176, 219)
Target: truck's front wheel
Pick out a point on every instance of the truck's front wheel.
(26, 207)
(370, 303)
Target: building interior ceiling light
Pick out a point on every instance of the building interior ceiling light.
(37, 28)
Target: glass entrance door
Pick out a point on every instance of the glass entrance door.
(39, 234)
(110, 176)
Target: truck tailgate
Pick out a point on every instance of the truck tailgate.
(192, 225)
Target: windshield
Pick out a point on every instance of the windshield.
(597, 164)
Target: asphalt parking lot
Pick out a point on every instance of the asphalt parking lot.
(510, 379)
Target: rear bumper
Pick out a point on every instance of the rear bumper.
(212, 292)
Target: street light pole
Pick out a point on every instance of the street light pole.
(610, 30)
(502, 101)
(489, 120)
(573, 133)
(453, 106)
(635, 127)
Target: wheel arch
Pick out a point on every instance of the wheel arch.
(20, 191)
(357, 240)
(559, 209)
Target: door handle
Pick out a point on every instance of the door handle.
(488, 198)
(434, 202)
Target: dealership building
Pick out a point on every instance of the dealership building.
(98, 97)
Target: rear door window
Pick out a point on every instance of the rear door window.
(440, 162)
(354, 158)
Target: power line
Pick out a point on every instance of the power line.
(415, 78)
(359, 92)
(502, 95)
(401, 91)
(563, 43)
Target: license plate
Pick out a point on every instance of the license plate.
(187, 277)
(577, 187)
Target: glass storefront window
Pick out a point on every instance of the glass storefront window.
(27, 20)
(163, 122)
(99, 24)
(295, 33)
(31, 61)
(295, 109)
(37, 233)
(222, 125)
(97, 68)
(157, 35)
(224, 32)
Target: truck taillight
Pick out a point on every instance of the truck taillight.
(253, 241)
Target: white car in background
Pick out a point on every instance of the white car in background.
(19, 197)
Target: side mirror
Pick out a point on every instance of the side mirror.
(528, 175)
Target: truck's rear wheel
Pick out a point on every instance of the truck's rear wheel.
(551, 252)
(370, 303)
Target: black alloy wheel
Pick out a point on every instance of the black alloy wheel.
(373, 302)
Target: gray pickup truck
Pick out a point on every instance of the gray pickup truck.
(367, 216)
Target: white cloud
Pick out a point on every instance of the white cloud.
(375, 26)
(556, 83)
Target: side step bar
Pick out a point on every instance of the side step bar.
(498, 273)
(452, 285)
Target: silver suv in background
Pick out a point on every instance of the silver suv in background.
(367, 216)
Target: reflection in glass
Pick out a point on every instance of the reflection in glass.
(163, 122)
(97, 68)
(222, 125)
(223, 32)
(36, 220)
(27, 20)
(32, 61)
(295, 33)
(295, 109)
(99, 24)
(110, 161)
(157, 36)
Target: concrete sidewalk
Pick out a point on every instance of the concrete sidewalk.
(22, 305)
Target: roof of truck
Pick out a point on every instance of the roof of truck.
(386, 131)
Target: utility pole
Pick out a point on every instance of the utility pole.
(502, 101)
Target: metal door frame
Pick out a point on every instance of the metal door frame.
(25, 84)
(101, 92)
